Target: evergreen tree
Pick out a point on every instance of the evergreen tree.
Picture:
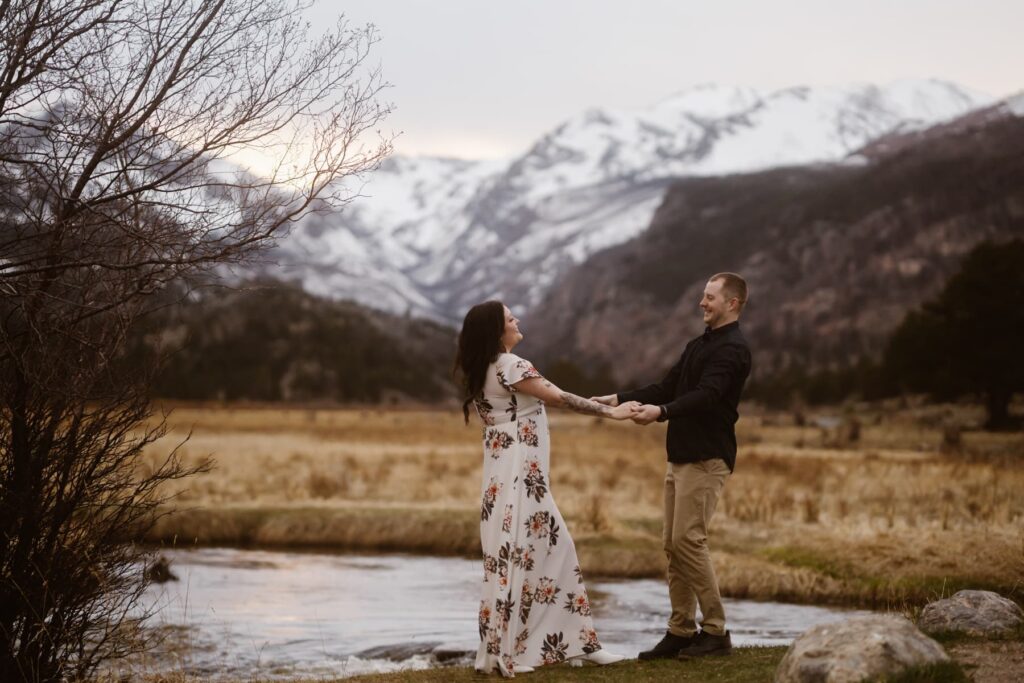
(971, 338)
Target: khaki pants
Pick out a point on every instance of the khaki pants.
(691, 493)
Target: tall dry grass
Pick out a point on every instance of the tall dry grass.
(870, 507)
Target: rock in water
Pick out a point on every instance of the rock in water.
(857, 649)
(398, 652)
(978, 613)
(159, 570)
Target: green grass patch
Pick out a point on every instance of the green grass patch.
(909, 593)
(904, 593)
(806, 559)
(745, 665)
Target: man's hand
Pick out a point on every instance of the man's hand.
(609, 400)
(646, 414)
(625, 411)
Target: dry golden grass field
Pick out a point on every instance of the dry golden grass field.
(884, 509)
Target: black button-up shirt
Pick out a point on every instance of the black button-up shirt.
(700, 395)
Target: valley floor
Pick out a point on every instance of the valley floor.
(865, 507)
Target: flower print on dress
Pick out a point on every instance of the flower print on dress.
(521, 639)
(523, 558)
(528, 433)
(513, 404)
(538, 524)
(504, 610)
(552, 532)
(588, 636)
(525, 601)
(534, 479)
(490, 494)
(484, 408)
(490, 566)
(546, 592)
(577, 603)
(525, 370)
(493, 641)
(527, 575)
(504, 382)
(484, 618)
(496, 441)
(504, 555)
(579, 574)
(553, 649)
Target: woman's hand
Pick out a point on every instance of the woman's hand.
(624, 411)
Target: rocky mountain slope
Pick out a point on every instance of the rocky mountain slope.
(434, 236)
(835, 255)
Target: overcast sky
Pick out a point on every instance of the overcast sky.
(483, 78)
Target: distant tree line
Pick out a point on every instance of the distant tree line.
(968, 341)
(272, 341)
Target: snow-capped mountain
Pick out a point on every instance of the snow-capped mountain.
(434, 236)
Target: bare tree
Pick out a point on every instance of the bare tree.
(118, 119)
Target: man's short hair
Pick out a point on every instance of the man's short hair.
(733, 286)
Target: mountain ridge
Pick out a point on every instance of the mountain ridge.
(436, 235)
(835, 255)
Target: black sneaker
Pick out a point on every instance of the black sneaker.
(667, 648)
(704, 644)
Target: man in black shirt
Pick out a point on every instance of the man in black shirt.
(698, 397)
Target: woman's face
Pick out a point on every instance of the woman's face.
(511, 336)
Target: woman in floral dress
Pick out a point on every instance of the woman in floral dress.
(534, 608)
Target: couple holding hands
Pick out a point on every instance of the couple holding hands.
(534, 608)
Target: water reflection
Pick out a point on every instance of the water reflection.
(285, 614)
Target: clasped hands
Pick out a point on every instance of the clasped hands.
(641, 414)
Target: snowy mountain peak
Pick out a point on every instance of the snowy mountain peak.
(710, 101)
(436, 235)
(1015, 104)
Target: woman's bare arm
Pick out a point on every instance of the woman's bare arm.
(538, 387)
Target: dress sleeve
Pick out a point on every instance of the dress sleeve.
(512, 369)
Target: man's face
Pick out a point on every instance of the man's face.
(714, 304)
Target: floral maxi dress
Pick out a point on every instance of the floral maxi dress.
(534, 608)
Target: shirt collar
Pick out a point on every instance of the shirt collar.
(718, 331)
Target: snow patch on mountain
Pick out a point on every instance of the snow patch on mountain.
(1015, 105)
(435, 235)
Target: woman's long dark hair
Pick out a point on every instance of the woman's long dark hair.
(479, 345)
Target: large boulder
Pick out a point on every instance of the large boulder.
(858, 649)
(978, 613)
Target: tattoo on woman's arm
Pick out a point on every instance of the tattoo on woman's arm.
(584, 405)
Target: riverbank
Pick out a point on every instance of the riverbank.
(879, 570)
(877, 508)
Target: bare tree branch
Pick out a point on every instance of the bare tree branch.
(119, 120)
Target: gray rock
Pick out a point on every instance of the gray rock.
(451, 654)
(398, 652)
(858, 649)
(978, 613)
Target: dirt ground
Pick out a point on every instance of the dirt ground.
(992, 661)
